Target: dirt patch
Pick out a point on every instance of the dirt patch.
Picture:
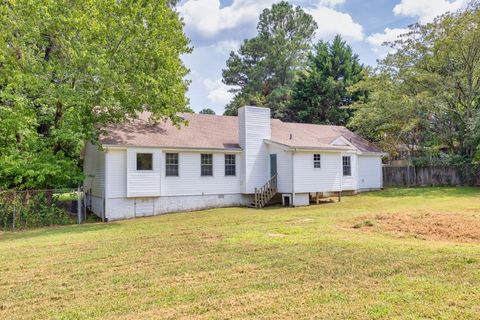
(429, 226)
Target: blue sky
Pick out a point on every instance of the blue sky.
(216, 27)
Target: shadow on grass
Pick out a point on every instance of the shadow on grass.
(56, 230)
(426, 192)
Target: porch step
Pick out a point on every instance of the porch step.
(276, 199)
(264, 194)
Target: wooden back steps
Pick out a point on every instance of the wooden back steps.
(264, 194)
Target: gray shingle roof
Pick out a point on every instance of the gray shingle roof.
(221, 132)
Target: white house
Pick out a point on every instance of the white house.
(218, 161)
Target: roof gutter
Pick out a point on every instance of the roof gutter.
(309, 148)
(365, 153)
(118, 146)
(328, 149)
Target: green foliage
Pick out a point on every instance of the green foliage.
(427, 93)
(320, 95)
(207, 111)
(39, 212)
(390, 116)
(263, 70)
(30, 211)
(38, 169)
(67, 69)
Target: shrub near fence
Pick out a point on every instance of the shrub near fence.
(30, 209)
(431, 176)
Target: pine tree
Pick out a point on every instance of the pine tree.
(321, 94)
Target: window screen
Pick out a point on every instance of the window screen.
(317, 161)
(144, 161)
(207, 165)
(347, 168)
(230, 165)
(171, 164)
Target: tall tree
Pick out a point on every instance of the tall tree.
(321, 93)
(207, 111)
(436, 71)
(391, 116)
(67, 69)
(263, 70)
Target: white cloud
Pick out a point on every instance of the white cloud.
(218, 91)
(217, 29)
(332, 22)
(208, 18)
(388, 35)
(331, 3)
(427, 10)
(225, 47)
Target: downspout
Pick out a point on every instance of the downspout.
(105, 187)
(357, 173)
(341, 172)
(293, 176)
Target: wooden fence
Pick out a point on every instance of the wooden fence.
(431, 176)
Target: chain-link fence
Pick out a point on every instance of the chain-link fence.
(35, 208)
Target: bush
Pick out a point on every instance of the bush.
(37, 210)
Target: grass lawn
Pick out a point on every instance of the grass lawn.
(331, 261)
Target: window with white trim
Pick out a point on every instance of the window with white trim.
(206, 165)
(317, 163)
(144, 161)
(347, 167)
(171, 164)
(230, 165)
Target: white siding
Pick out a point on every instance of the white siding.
(94, 170)
(142, 183)
(254, 127)
(324, 179)
(369, 172)
(350, 182)
(94, 184)
(190, 182)
(117, 173)
(284, 168)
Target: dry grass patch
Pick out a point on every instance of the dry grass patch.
(458, 227)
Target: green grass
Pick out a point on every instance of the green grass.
(245, 263)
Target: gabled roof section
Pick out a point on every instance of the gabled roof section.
(341, 141)
(314, 136)
(202, 132)
(221, 132)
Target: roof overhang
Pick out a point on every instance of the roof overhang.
(167, 148)
(311, 148)
(379, 154)
(352, 149)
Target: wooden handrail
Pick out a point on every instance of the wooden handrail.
(266, 192)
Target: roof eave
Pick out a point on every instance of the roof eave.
(168, 148)
(309, 148)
